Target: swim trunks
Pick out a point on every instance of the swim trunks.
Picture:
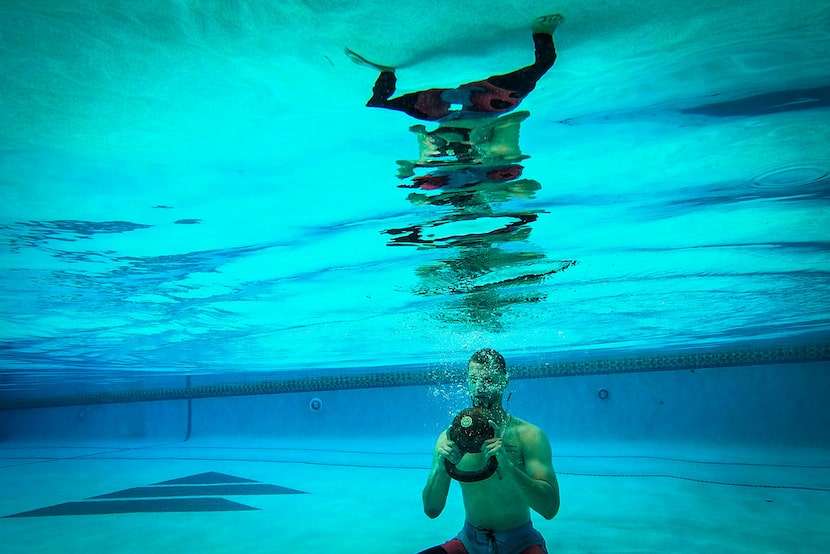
(521, 540)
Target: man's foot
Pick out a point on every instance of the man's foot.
(360, 60)
(547, 23)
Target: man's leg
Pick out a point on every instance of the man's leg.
(523, 80)
(454, 546)
(424, 104)
(384, 88)
(384, 85)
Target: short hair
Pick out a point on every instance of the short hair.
(490, 358)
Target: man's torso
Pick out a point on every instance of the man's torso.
(495, 503)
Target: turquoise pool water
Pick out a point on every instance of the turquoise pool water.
(734, 460)
(220, 272)
(198, 187)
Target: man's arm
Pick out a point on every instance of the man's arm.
(438, 482)
(537, 482)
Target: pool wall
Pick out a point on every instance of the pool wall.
(776, 403)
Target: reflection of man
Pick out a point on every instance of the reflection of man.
(493, 96)
(497, 506)
(491, 141)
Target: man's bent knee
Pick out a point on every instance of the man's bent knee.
(454, 546)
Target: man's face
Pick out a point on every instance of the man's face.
(486, 385)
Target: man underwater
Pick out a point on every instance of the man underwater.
(497, 502)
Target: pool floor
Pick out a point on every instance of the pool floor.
(362, 495)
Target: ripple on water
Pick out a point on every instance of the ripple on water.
(795, 176)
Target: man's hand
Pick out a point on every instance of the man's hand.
(495, 446)
(449, 450)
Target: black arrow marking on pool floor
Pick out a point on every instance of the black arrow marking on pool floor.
(194, 493)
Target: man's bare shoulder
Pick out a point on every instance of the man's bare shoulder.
(527, 432)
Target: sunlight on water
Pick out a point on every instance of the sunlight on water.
(195, 186)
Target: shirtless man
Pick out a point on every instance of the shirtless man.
(497, 507)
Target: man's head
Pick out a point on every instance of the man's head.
(487, 378)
